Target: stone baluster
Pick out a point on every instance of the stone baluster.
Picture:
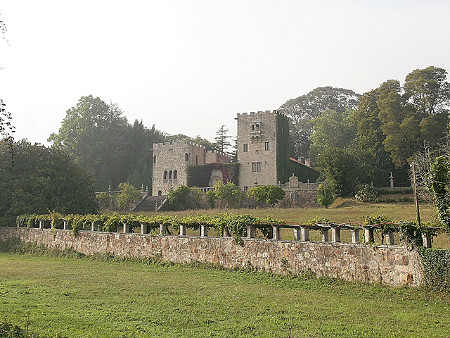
(335, 234)
(144, 228)
(226, 232)
(389, 238)
(368, 235)
(427, 239)
(203, 230)
(297, 233)
(41, 224)
(93, 226)
(276, 232)
(355, 235)
(324, 233)
(126, 228)
(162, 229)
(182, 230)
(304, 234)
(250, 231)
(65, 225)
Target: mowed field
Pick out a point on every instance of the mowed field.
(85, 297)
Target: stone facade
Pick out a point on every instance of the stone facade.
(171, 159)
(257, 148)
(391, 265)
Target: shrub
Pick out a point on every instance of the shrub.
(128, 196)
(104, 200)
(228, 194)
(184, 198)
(326, 193)
(269, 194)
(366, 194)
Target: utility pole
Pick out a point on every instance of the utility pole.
(416, 199)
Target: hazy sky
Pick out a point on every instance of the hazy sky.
(191, 66)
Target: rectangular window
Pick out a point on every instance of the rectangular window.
(256, 167)
(266, 146)
(245, 147)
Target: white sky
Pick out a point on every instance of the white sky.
(190, 66)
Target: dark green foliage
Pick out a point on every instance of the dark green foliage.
(103, 143)
(440, 186)
(436, 265)
(104, 200)
(42, 179)
(326, 193)
(306, 107)
(342, 167)
(283, 155)
(199, 176)
(266, 194)
(184, 198)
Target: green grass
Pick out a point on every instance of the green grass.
(82, 297)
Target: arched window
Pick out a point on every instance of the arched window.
(170, 174)
(175, 174)
(186, 157)
(159, 192)
(165, 175)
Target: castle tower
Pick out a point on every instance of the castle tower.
(263, 148)
(170, 161)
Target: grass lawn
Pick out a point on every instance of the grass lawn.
(77, 297)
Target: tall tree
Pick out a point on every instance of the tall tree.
(428, 91)
(221, 141)
(42, 179)
(95, 134)
(306, 107)
(331, 129)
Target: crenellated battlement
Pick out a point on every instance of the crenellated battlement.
(259, 114)
(177, 143)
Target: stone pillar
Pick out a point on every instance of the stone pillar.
(276, 232)
(368, 235)
(203, 230)
(41, 224)
(250, 231)
(182, 230)
(297, 233)
(324, 233)
(304, 233)
(144, 228)
(162, 229)
(389, 238)
(426, 240)
(65, 225)
(226, 232)
(335, 234)
(126, 228)
(93, 226)
(355, 235)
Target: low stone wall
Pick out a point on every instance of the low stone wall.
(392, 265)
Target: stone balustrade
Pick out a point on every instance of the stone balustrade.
(300, 232)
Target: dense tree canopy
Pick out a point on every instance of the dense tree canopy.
(102, 142)
(307, 107)
(41, 180)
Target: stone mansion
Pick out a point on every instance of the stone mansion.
(262, 158)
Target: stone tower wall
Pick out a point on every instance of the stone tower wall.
(257, 148)
(174, 156)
